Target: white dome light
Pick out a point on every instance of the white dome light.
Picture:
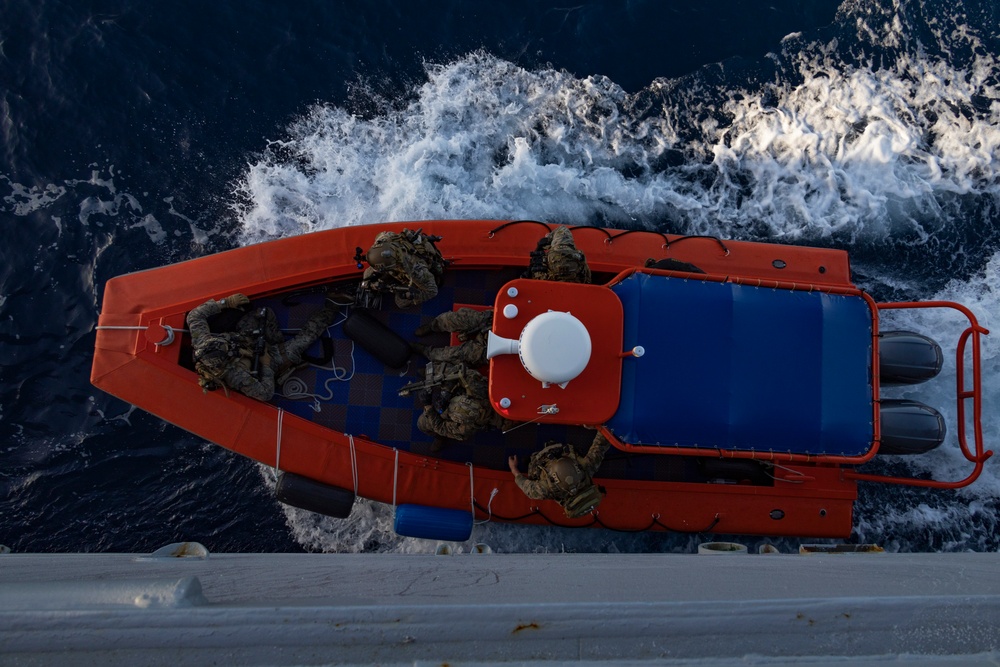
(554, 347)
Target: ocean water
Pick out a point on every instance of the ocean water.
(136, 134)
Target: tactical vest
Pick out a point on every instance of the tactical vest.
(233, 345)
(423, 246)
(466, 410)
(416, 244)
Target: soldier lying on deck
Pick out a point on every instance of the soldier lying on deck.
(249, 358)
(456, 404)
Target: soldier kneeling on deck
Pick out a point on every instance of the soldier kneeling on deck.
(456, 404)
(558, 473)
(557, 258)
(406, 263)
(249, 358)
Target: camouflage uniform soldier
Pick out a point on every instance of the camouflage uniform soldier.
(228, 359)
(472, 326)
(466, 412)
(408, 264)
(556, 258)
(558, 473)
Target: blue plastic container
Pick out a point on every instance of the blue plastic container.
(433, 523)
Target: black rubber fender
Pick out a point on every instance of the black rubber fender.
(377, 339)
(313, 496)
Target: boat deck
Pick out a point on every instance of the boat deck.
(358, 395)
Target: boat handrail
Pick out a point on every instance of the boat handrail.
(978, 456)
(762, 454)
(963, 394)
(769, 455)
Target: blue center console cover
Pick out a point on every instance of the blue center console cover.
(744, 368)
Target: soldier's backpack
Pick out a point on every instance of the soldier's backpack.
(423, 246)
(583, 502)
(567, 265)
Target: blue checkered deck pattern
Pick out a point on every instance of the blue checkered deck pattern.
(368, 404)
(745, 368)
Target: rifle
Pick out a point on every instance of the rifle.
(260, 344)
(419, 237)
(370, 292)
(537, 264)
(437, 376)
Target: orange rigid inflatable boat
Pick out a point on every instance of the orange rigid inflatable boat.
(739, 385)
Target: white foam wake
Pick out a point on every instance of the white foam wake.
(850, 152)
(982, 296)
(840, 148)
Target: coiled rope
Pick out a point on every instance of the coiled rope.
(295, 388)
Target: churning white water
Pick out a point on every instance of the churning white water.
(837, 148)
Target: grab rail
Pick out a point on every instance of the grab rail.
(979, 457)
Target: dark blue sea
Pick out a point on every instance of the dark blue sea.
(136, 134)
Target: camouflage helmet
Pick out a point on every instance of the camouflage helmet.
(380, 257)
(566, 474)
(214, 352)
